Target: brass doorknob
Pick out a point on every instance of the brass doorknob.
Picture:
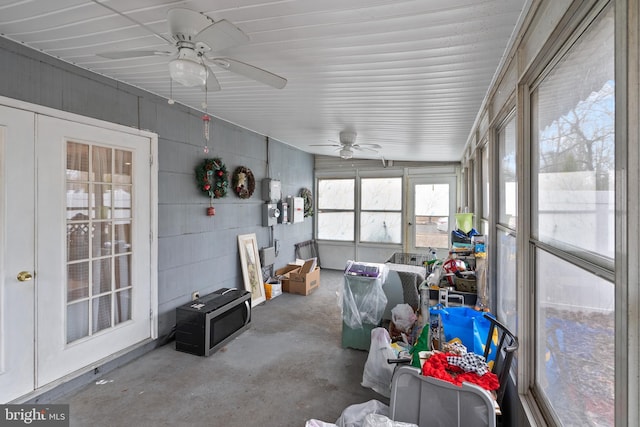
(24, 276)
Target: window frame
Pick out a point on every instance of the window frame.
(400, 211)
(534, 401)
(353, 211)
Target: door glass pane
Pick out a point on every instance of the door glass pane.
(123, 306)
(122, 237)
(122, 271)
(122, 201)
(101, 276)
(77, 320)
(101, 197)
(77, 281)
(77, 201)
(122, 166)
(101, 313)
(101, 164)
(576, 340)
(99, 248)
(101, 239)
(431, 214)
(77, 240)
(77, 162)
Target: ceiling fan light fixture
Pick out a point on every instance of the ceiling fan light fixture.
(348, 137)
(187, 70)
(346, 153)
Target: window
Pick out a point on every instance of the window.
(507, 179)
(381, 210)
(434, 202)
(336, 204)
(506, 279)
(485, 181)
(506, 237)
(573, 229)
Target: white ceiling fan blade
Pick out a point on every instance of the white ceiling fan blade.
(146, 27)
(133, 54)
(212, 82)
(378, 146)
(184, 24)
(222, 34)
(358, 147)
(325, 145)
(254, 73)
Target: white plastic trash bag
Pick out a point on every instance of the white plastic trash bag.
(377, 420)
(403, 317)
(353, 416)
(318, 423)
(377, 371)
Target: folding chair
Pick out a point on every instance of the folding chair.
(505, 346)
(428, 401)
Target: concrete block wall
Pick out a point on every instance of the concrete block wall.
(195, 252)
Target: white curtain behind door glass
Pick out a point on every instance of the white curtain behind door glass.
(101, 168)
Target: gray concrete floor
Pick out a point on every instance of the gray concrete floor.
(287, 368)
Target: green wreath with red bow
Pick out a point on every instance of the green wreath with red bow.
(212, 178)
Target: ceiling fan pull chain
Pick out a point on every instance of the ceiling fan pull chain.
(206, 120)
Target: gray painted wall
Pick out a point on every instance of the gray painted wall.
(195, 252)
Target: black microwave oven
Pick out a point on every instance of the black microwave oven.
(207, 323)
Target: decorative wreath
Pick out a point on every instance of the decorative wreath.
(243, 182)
(305, 193)
(212, 178)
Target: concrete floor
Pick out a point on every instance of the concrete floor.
(287, 368)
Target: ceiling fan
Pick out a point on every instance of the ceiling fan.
(195, 36)
(348, 144)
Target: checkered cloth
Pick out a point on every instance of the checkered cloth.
(469, 362)
(455, 347)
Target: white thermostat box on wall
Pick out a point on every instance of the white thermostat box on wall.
(271, 190)
(296, 209)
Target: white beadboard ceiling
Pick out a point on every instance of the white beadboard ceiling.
(409, 75)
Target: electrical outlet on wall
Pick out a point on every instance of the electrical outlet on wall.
(195, 295)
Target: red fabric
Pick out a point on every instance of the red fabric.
(437, 366)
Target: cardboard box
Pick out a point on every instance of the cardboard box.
(300, 279)
(283, 275)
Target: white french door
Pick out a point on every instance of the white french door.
(93, 245)
(431, 209)
(17, 255)
(78, 262)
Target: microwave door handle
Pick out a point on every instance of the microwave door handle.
(247, 303)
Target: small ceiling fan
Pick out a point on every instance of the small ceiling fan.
(195, 36)
(348, 144)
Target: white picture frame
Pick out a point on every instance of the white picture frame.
(251, 269)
